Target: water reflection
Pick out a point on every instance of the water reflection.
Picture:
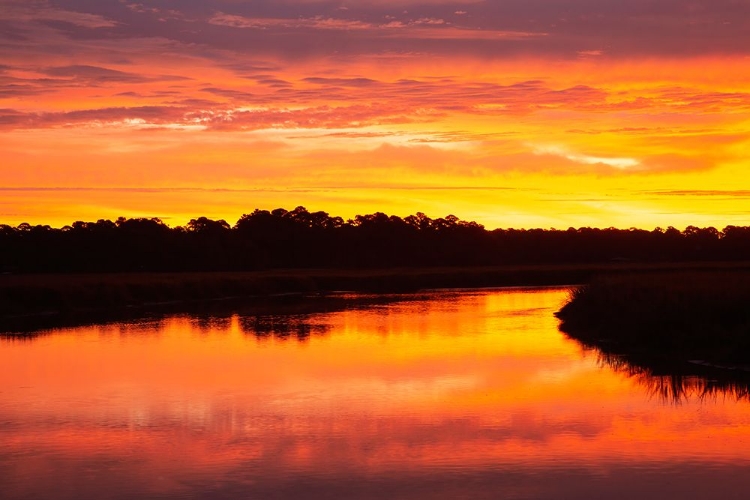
(676, 382)
(282, 327)
(258, 314)
(451, 395)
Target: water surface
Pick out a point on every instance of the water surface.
(443, 395)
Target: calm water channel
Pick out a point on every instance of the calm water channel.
(444, 395)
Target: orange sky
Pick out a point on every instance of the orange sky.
(513, 114)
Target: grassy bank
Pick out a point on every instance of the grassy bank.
(22, 295)
(34, 302)
(55, 293)
(663, 317)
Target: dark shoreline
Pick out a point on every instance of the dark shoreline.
(677, 333)
(28, 299)
(30, 302)
(696, 320)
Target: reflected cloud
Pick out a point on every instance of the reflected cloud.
(426, 397)
(432, 396)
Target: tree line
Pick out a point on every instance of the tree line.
(302, 239)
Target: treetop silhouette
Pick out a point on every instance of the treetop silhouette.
(299, 238)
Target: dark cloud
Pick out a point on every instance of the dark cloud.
(10, 31)
(230, 94)
(95, 75)
(298, 29)
(192, 103)
(56, 78)
(297, 104)
(11, 117)
(17, 90)
(342, 82)
(136, 115)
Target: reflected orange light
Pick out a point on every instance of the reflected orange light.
(469, 382)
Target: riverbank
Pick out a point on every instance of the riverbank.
(668, 317)
(45, 294)
(49, 294)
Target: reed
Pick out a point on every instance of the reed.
(24, 295)
(697, 315)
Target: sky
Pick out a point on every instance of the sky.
(511, 113)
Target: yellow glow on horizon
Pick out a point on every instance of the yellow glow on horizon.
(533, 142)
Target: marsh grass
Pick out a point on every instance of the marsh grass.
(678, 316)
(52, 293)
(23, 294)
(27, 297)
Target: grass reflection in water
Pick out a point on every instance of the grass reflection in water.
(682, 335)
(674, 382)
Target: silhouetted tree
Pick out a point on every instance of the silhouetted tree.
(300, 238)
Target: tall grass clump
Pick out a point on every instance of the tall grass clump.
(677, 315)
